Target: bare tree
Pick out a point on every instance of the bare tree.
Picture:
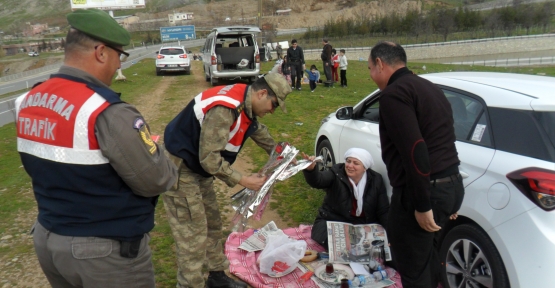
(492, 22)
(445, 22)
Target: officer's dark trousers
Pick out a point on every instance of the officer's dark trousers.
(414, 249)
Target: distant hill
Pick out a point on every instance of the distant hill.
(15, 13)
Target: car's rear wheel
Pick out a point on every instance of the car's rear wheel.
(213, 81)
(206, 76)
(158, 72)
(188, 71)
(324, 149)
(471, 259)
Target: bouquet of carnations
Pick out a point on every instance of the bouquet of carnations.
(248, 202)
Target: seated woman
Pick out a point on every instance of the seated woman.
(354, 193)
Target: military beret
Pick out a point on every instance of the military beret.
(280, 86)
(99, 25)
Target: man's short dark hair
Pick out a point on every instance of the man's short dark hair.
(333, 51)
(260, 84)
(293, 41)
(342, 51)
(77, 41)
(389, 52)
(326, 40)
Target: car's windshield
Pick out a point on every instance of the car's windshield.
(172, 51)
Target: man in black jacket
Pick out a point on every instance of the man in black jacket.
(295, 57)
(326, 59)
(418, 148)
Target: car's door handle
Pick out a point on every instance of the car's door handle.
(464, 175)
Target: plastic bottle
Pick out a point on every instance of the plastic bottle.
(384, 274)
(361, 280)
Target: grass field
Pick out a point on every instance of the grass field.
(294, 200)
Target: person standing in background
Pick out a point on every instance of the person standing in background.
(313, 77)
(95, 170)
(295, 57)
(279, 51)
(335, 65)
(343, 67)
(418, 148)
(326, 59)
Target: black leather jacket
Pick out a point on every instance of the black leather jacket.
(339, 198)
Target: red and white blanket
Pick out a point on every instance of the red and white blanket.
(243, 263)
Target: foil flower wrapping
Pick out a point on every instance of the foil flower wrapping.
(247, 202)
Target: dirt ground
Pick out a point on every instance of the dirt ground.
(24, 270)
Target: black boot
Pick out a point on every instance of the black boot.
(218, 279)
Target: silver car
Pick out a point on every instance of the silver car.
(231, 53)
(172, 59)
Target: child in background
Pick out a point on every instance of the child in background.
(343, 66)
(334, 65)
(286, 69)
(313, 77)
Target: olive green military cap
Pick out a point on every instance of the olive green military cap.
(100, 26)
(281, 88)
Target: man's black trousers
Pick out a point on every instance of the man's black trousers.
(327, 70)
(298, 74)
(414, 249)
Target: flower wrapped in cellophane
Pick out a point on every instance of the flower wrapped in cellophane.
(247, 202)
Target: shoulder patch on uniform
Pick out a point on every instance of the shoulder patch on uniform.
(240, 108)
(138, 123)
(147, 139)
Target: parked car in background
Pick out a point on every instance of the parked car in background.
(505, 130)
(231, 53)
(33, 54)
(172, 59)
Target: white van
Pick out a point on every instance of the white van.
(231, 53)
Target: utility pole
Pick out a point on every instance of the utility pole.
(259, 12)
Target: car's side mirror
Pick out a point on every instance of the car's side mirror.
(157, 52)
(189, 52)
(344, 113)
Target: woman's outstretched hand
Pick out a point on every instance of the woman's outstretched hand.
(310, 158)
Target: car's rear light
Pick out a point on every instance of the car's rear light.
(537, 184)
(257, 58)
(183, 56)
(160, 56)
(213, 60)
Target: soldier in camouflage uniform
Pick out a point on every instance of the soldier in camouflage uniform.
(204, 140)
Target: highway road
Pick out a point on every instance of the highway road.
(7, 113)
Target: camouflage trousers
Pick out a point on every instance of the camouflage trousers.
(196, 226)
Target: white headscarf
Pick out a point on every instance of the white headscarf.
(367, 161)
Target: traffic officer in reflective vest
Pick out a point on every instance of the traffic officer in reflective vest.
(204, 140)
(95, 170)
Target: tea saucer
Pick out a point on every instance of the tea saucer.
(341, 272)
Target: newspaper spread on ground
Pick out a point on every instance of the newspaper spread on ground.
(257, 241)
(353, 243)
(312, 266)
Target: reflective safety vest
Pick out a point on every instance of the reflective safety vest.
(182, 135)
(77, 190)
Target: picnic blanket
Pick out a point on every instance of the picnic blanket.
(243, 263)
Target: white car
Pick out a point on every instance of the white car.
(172, 59)
(505, 128)
(33, 54)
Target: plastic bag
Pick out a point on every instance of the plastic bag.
(281, 254)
